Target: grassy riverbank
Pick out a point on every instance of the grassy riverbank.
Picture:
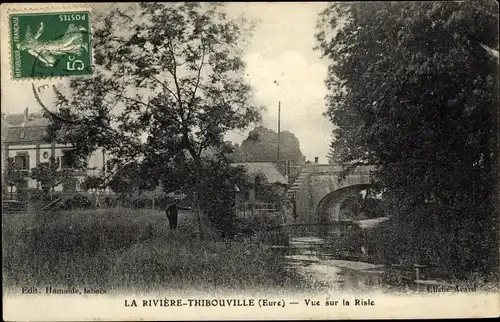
(124, 250)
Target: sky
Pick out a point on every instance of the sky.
(280, 49)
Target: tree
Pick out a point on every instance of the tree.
(413, 91)
(262, 145)
(333, 156)
(47, 175)
(167, 83)
(219, 182)
(133, 177)
(12, 176)
(364, 207)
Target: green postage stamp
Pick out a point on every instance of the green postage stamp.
(54, 44)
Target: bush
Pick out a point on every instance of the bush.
(78, 201)
(348, 241)
(451, 250)
(39, 197)
(36, 194)
(262, 228)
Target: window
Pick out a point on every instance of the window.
(22, 161)
(67, 160)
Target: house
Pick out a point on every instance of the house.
(264, 196)
(268, 170)
(24, 140)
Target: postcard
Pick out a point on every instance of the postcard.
(249, 161)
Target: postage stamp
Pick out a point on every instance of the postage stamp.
(51, 44)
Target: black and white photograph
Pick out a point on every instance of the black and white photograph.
(250, 160)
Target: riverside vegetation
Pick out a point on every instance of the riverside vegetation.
(120, 249)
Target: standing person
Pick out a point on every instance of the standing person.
(172, 213)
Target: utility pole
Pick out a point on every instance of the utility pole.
(279, 119)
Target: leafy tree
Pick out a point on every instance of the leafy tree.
(168, 82)
(219, 182)
(12, 176)
(365, 207)
(46, 174)
(262, 145)
(333, 156)
(413, 91)
(131, 178)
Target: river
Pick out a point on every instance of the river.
(309, 253)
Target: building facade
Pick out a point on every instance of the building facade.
(24, 140)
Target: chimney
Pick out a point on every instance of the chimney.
(316, 160)
(24, 123)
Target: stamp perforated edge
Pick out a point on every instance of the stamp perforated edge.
(8, 9)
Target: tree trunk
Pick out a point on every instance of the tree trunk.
(198, 215)
(197, 200)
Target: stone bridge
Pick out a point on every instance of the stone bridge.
(319, 190)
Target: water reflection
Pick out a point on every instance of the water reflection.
(309, 253)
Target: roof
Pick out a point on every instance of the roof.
(13, 126)
(33, 120)
(15, 134)
(268, 169)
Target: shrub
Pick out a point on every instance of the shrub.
(79, 201)
(250, 225)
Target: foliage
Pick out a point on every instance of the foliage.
(12, 176)
(47, 174)
(168, 85)
(262, 145)
(218, 182)
(69, 182)
(92, 182)
(131, 178)
(347, 242)
(366, 207)
(41, 197)
(267, 192)
(413, 92)
(78, 201)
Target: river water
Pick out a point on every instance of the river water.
(309, 254)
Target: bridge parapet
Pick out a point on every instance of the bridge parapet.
(332, 168)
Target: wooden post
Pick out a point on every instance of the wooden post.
(417, 274)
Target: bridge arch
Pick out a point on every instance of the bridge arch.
(321, 189)
(328, 208)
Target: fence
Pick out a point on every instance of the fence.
(271, 210)
(81, 200)
(249, 208)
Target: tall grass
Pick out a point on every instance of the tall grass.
(132, 250)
